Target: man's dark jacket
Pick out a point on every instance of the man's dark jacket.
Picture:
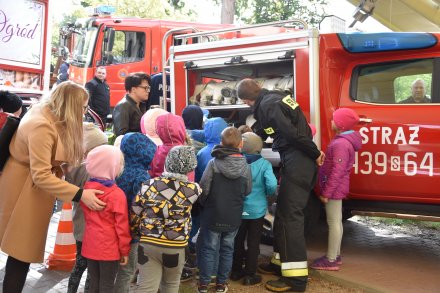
(127, 116)
(280, 117)
(99, 101)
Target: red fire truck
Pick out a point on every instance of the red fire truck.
(398, 168)
(123, 45)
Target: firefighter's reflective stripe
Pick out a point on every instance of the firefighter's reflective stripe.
(276, 259)
(290, 102)
(269, 130)
(294, 269)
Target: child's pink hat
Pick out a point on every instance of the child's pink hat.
(104, 162)
(345, 119)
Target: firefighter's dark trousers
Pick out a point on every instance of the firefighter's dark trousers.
(298, 175)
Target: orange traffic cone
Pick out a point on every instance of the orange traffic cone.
(64, 253)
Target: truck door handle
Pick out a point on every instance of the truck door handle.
(365, 120)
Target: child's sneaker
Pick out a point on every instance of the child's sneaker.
(186, 275)
(221, 288)
(202, 288)
(339, 260)
(323, 263)
(213, 278)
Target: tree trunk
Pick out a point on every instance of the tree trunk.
(228, 11)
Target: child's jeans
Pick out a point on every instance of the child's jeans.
(215, 247)
(333, 210)
(159, 268)
(102, 275)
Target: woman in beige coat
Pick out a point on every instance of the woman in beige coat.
(49, 135)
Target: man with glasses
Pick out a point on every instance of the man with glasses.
(128, 112)
(99, 92)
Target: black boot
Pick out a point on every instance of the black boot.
(236, 275)
(281, 285)
(252, 280)
(269, 269)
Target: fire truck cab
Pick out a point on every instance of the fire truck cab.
(122, 46)
(398, 168)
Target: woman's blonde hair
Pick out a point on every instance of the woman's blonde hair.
(67, 104)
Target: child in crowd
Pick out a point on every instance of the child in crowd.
(148, 124)
(138, 152)
(93, 137)
(334, 182)
(193, 117)
(264, 183)
(106, 242)
(225, 182)
(171, 130)
(118, 139)
(244, 128)
(212, 131)
(10, 105)
(161, 218)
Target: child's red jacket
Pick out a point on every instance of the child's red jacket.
(107, 234)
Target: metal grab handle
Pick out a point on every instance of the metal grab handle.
(365, 120)
(252, 26)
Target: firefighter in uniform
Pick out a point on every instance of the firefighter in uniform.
(279, 116)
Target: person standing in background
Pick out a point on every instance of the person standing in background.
(63, 72)
(128, 112)
(418, 93)
(10, 105)
(156, 93)
(99, 93)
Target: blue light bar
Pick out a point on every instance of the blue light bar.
(379, 42)
(104, 10)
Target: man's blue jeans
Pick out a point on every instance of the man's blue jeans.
(215, 247)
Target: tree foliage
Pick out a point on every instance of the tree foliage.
(260, 11)
(163, 9)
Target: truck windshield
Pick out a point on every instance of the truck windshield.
(83, 47)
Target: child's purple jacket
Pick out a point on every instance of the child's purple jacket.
(334, 175)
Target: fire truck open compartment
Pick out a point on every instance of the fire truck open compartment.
(215, 86)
